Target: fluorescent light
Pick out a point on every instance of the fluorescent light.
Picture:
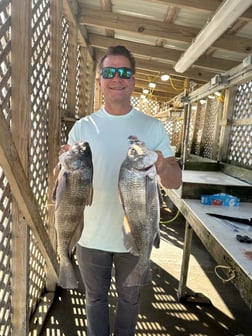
(211, 96)
(202, 101)
(224, 17)
(145, 91)
(165, 77)
(217, 93)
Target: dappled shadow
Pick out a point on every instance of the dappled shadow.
(164, 315)
(161, 313)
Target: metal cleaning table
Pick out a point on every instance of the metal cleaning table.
(217, 235)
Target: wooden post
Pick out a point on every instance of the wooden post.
(71, 74)
(21, 107)
(226, 123)
(92, 85)
(216, 133)
(54, 123)
(185, 261)
(83, 102)
(26, 201)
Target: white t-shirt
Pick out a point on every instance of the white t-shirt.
(108, 138)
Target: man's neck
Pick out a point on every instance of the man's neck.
(118, 109)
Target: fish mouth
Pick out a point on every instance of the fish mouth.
(144, 168)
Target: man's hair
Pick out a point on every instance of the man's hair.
(118, 51)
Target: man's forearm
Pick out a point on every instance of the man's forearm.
(170, 173)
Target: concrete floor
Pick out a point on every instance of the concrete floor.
(161, 313)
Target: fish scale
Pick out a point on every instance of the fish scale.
(73, 191)
(139, 194)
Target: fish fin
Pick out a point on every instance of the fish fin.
(54, 190)
(156, 241)
(128, 239)
(89, 199)
(150, 189)
(56, 172)
(67, 277)
(160, 196)
(61, 187)
(138, 277)
(76, 236)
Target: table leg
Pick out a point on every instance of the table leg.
(185, 260)
(183, 297)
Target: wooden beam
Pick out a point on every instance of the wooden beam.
(20, 187)
(21, 105)
(201, 6)
(170, 56)
(70, 9)
(169, 31)
(54, 122)
(160, 89)
(160, 96)
(166, 57)
(196, 74)
(72, 67)
(92, 17)
(158, 53)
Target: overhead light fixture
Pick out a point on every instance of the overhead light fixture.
(217, 93)
(247, 61)
(202, 101)
(219, 79)
(224, 17)
(146, 91)
(211, 96)
(152, 85)
(165, 77)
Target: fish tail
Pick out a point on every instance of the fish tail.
(138, 277)
(67, 277)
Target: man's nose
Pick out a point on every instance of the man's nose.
(117, 75)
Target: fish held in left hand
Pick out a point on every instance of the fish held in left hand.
(72, 192)
(140, 197)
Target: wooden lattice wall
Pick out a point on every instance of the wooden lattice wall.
(44, 63)
(220, 127)
(47, 80)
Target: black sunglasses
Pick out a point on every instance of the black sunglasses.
(109, 72)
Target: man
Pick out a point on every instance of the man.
(101, 244)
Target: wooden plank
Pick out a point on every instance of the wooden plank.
(185, 261)
(201, 6)
(195, 190)
(14, 171)
(164, 30)
(196, 183)
(20, 51)
(72, 65)
(201, 75)
(225, 124)
(216, 134)
(70, 8)
(87, 78)
(54, 123)
(237, 172)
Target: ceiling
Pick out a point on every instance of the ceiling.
(159, 32)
